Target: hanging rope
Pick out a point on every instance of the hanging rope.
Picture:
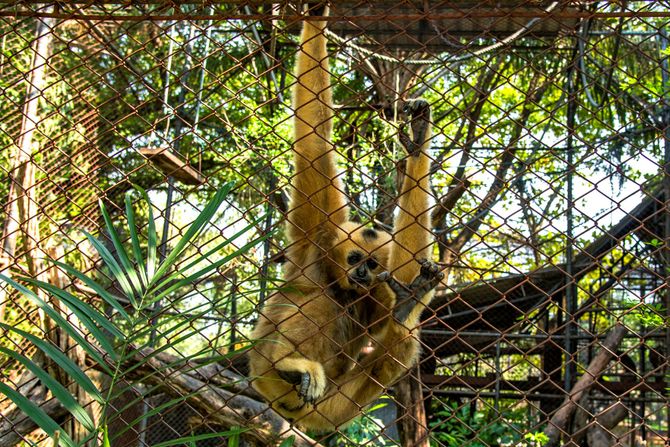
(441, 60)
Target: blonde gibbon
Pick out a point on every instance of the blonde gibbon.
(346, 284)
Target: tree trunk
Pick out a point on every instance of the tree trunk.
(560, 420)
(412, 422)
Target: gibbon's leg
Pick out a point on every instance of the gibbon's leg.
(318, 203)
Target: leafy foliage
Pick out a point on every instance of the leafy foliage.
(456, 425)
(146, 280)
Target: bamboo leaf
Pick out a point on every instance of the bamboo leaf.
(213, 266)
(99, 290)
(152, 237)
(206, 256)
(86, 314)
(134, 237)
(114, 266)
(56, 317)
(128, 267)
(234, 439)
(38, 415)
(58, 390)
(105, 436)
(196, 227)
(61, 359)
(288, 442)
(154, 411)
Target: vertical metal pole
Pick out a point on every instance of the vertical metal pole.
(272, 183)
(570, 289)
(233, 312)
(665, 76)
(496, 403)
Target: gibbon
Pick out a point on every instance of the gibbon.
(346, 284)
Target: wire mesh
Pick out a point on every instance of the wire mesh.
(549, 189)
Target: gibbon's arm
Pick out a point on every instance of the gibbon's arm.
(412, 236)
(318, 202)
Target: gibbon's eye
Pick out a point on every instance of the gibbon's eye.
(371, 263)
(354, 257)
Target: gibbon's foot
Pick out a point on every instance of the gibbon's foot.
(419, 112)
(307, 387)
(408, 296)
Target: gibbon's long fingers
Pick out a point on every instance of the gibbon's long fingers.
(419, 110)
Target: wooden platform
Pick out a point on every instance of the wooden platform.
(448, 26)
(173, 165)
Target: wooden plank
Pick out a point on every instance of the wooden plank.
(173, 165)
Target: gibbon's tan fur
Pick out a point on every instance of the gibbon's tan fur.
(307, 361)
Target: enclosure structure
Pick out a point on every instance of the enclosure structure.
(550, 157)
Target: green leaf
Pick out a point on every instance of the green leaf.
(213, 266)
(154, 411)
(114, 267)
(234, 439)
(152, 237)
(38, 415)
(56, 317)
(61, 359)
(105, 436)
(97, 288)
(59, 391)
(207, 255)
(196, 227)
(128, 266)
(192, 316)
(88, 316)
(288, 442)
(134, 237)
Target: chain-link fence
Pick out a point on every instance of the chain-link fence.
(549, 189)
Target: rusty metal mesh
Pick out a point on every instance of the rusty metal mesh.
(549, 173)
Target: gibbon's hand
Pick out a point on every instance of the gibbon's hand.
(419, 112)
(408, 296)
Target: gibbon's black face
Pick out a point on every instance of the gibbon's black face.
(359, 255)
(362, 270)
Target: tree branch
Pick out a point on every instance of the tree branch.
(223, 403)
(447, 203)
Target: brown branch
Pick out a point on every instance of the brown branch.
(447, 203)
(506, 160)
(226, 407)
(15, 426)
(559, 421)
(472, 114)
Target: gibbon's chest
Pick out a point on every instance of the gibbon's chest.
(354, 312)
